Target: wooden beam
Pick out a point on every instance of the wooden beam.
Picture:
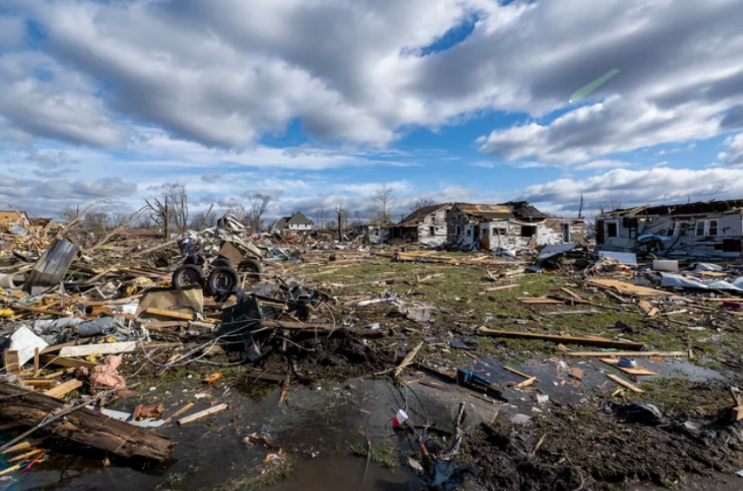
(520, 374)
(66, 362)
(584, 340)
(170, 314)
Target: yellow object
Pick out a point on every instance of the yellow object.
(6, 312)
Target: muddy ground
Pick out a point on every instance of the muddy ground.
(335, 403)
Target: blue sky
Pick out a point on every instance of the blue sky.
(321, 103)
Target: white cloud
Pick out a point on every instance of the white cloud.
(636, 187)
(484, 164)
(734, 153)
(12, 31)
(604, 164)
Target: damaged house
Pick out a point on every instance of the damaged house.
(426, 225)
(703, 229)
(512, 225)
(297, 222)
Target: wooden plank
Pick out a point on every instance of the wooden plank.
(599, 354)
(170, 314)
(66, 362)
(39, 382)
(576, 373)
(64, 388)
(624, 383)
(202, 414)
(11, 361)
(498, 288)
(520, 374)
(98, 349)
(639, 371)
(584, 340)
(628, 288)
(538, 301)
(26, 455)
(83, 425)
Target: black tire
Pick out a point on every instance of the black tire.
(253, 267)
(187, 276)
(223, 280)
(221, 261)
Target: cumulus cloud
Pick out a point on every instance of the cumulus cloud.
(734, 153)
(635, 187)
(225, 72)
(41, 97)
(211, 177)
(604, 164)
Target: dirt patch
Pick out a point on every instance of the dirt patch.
(592, 446)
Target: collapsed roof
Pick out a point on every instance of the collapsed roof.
(700, 207)
(511, 209)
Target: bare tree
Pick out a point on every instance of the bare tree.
(171, 211)
(257, 204)
(320, 217)
(422, 203)
(610, 205)
(384, 198)
(580, 207)
(204, 219)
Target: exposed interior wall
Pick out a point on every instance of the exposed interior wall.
(433, 230)
(377, 235)
(714, 234)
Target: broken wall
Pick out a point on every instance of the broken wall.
(433, 230)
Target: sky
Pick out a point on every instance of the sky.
(320, 103)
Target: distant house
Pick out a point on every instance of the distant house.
(10, 218)
(426, 225)
(703, 229)
(512, 225)
(298, 221)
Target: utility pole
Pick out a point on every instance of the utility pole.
(339, 211)
(580, 209)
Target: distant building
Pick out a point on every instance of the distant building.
(703, 229)
(512, 225)
(426, 225)
(298, 221)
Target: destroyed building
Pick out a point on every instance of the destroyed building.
(426, 225)
(703, 229)
(297, 222)
(512, 225)
(11, 218)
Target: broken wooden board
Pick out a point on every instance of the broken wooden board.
(639, 371)
(576, 373)
(539, 301)
(628, 288)
(520, 374)
(498, 288)
(63, 388)
(624, 383)
(98, 349)
(202, 414)
(584, 340)
(600, 354)
(83, 426)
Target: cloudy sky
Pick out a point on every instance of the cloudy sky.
(320, 102)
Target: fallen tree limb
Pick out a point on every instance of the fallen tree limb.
(584, 340)
(82, 425)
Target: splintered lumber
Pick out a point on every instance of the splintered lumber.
(600, 354)
(66, 362)
(408, 359)
(63, 388)
(11, 469)
(202, 414)
(520, 374)
(37, 310)
(83, 426)
(584, 340)
(98, 349)
(24, 445)
(624, 383)
(628, 288)
(26, 455)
